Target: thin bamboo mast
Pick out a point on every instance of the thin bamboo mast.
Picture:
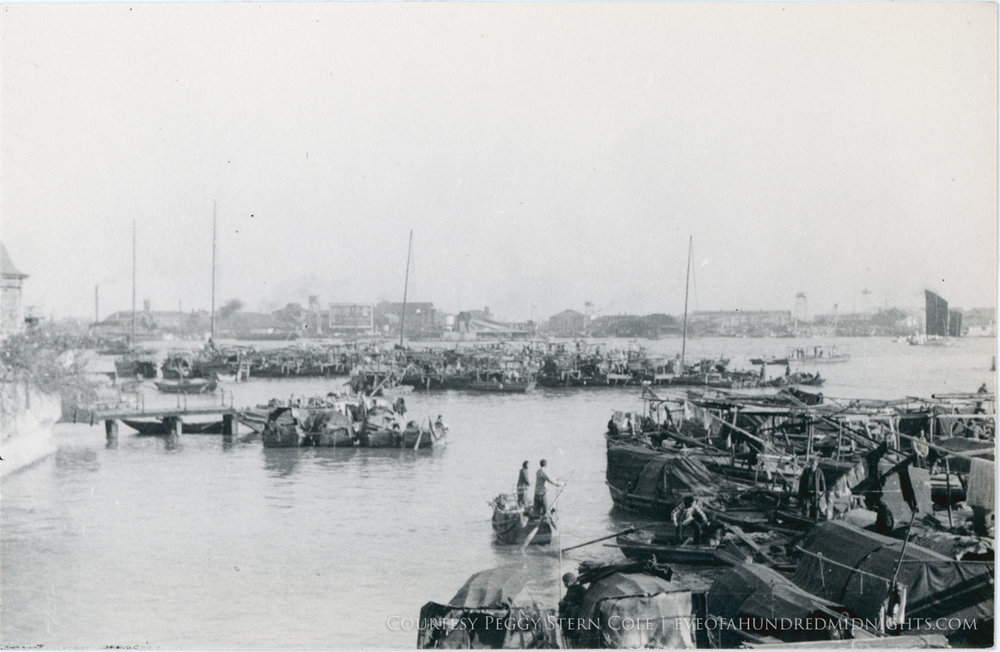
(687, 281)
(406, 285)
(132, 343)
(213, 270)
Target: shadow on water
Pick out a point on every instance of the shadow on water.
(281, 462)
(72, 459)
(172, 443)
(622, 518)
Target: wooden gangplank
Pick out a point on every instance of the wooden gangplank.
(171, 417)
(160, 413)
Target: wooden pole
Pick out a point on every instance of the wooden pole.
(947, 480)
(132, 343)
(406, 285)
(605, 538)
(687, 280)
(213, 270)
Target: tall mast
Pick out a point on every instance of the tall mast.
(132, 343)
(406, 285)
(213, 270)
(687, 280)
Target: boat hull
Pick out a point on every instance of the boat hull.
(512, 527)
(666, 549)
(155, 427)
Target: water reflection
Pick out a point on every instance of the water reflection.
(172, 443)
(71, 459)
(281, 462)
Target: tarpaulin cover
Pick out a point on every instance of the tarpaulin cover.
(447, 627)
(612, 602)
(982, 484)
(956, 426)
(618, 585)
(752, 591)
(955, 546)
(323, 420)
(664, 620)
(858, 479)
(495, 588)
(625, 463)
(936, 586)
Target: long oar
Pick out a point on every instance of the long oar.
(548, 512)
(580, 545)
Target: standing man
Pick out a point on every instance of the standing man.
(523, 482)
(812, 485)
(542, 504)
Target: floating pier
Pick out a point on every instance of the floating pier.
(171, 418)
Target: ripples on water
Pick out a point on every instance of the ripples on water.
(211, 544)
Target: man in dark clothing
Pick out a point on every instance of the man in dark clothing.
(812, 485)
(523, 483)
(569, 606)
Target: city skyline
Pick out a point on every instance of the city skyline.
(825, 149)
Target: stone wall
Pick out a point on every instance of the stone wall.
(27, 417)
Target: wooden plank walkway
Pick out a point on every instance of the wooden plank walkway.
(160, 412)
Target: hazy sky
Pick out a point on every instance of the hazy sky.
(543, 154)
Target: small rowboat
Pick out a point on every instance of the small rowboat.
(186, 385)
(512, 525)
(664, 547)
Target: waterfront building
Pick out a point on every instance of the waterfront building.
(11, 308)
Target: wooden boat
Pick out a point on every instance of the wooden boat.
(664, 547)
(817, 354)
(501, 386)
(513, 524)
(498, 595)
(722, 545)
(769, 361)
(609, 596)
(132, 366)
(186, 386)
(155, 427)
(178, 365)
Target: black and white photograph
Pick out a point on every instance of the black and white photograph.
(402, 325)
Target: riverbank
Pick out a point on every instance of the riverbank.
(27, 417)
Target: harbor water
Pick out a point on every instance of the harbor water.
(206, 543)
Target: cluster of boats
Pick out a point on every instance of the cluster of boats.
(872, 521)
(490, 368)
(342, 421)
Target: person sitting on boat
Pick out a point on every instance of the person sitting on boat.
(812, 485)
(689, 512)
(980, 409)
(542, 504)
(612, 427)
(523, 483)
